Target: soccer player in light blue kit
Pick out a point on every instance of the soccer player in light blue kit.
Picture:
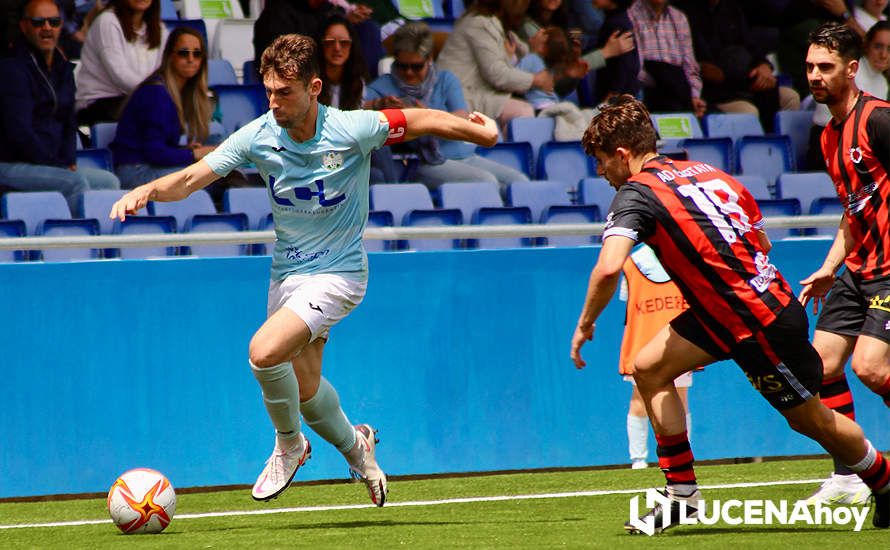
(315, 161)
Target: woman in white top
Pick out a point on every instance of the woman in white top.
(869, 78)
(122, 47)
(869, 13)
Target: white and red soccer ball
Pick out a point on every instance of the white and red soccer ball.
(141, 501)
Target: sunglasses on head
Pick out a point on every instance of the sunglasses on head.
(39, 22)
(331, 42)
(416, 67)
(184, 53)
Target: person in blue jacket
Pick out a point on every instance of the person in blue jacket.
(37, 127)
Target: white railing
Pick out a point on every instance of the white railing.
(375, 233)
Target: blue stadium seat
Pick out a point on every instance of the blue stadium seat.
(97, 204)
(537, 195)
(145, 225)
(240, 104)
(596, 191)
(535, 130)
(68, 228)
(426, 218)
(198, 202)
(400, 199)
(516, 155)
(732, 125)
(33, 207)
(168, 10)
(250, 75)
(220, 71)
(796, 125)
(767, 156)
(102, 134)
(470, 196)
(12, 228)
(576, 213)
(673, 127)
(217, 223)
(197, 24)
(379, 218)
(440, 24)
(757, 186)
(714, 151)
(565, 161)
(253, 201)
(453, 8)
(806, 187)
(94, 158)
(780, 207)
(509, 215)
(826, 206)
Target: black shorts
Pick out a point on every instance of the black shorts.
(855, 307)
(780, 361)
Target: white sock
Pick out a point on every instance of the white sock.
(637, 437)
(689, 427)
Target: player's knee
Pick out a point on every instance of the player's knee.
(817, 423)
(872, 370)
(264, 356)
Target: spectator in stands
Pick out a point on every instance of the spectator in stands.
(670, 76)
(869, 78)
(545, 13)
(415, 81)
(621, 73)
(737, 76)
(170, 103)
(343, 69)
(588, 17)
(37, 128)
(476, 52)
(869, 13)
(123, 46)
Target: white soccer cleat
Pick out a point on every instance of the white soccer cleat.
(366, 468)
(638, 464)
(841, 489)
(280, 470)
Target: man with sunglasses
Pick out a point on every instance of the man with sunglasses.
(37, 128)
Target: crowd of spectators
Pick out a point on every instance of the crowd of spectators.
(505, 58)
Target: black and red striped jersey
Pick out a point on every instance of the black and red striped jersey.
(702, 224)
(857, 154)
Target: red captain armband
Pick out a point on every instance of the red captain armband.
(398, 126)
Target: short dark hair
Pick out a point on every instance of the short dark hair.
(875, 29)
(623, 122)
(839, 38)
(23, 7)
(291, 56)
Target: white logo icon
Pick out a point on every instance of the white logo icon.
(332, 160)
(856, 155)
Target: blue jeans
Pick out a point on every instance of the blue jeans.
(36, 177)
(134, 175)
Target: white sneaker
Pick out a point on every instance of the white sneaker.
(638, 464)
(280, 470)
(841, 489)
(366, 468)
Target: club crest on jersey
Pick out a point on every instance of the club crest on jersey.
(332, 160)
(856, 155)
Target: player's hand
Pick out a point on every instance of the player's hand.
(816, 287)
(490, 126)
(131, 203)
(581, 336)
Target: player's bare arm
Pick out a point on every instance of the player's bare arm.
(817, 285)
(172, 187)
(602, 284)
(476, 127)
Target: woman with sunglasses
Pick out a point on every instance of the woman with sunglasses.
(122, 47)
(170, 103)
(343, 69)
(415, 81)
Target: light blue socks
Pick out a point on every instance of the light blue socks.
(323, 414)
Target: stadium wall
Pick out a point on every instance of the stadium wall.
(460, 358)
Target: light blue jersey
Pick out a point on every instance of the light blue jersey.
(318, 188)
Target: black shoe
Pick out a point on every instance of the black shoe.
(655, 516)
(881, 519)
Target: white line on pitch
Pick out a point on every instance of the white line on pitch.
(409, 503)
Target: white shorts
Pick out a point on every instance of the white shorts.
(320, 300)
(682, 381)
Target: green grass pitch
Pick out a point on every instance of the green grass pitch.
(569, 521)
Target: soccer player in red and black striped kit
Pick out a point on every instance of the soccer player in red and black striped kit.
(855, 317)
(707, 231)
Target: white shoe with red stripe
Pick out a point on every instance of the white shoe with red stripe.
(280, 470)
(366, 468)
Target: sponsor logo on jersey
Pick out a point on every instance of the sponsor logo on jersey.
(332, 160)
